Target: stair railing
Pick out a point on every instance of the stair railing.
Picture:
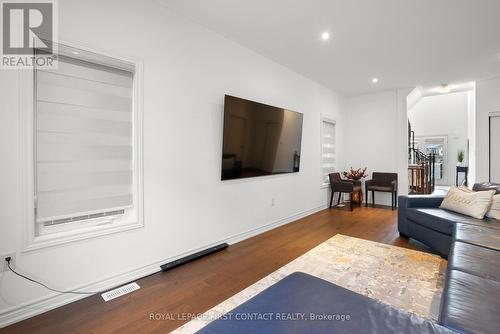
(421, 168)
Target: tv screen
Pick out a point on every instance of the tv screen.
(259, 139)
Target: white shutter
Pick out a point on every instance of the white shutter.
(328, 149)
(84, 143)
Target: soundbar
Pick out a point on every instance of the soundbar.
(192, 257)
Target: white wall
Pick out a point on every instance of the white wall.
(487, 101)
(443, 115)
(372, 135)
(187, 71)
(471, 124)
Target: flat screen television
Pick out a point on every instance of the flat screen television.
(259, 139)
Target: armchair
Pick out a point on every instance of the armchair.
(344, 186)
(383, 182)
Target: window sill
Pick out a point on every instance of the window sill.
(56, 239)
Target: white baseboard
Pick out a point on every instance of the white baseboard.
(30, 309)
(253, 232)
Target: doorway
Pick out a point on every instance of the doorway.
(439, 142)
(437, 146)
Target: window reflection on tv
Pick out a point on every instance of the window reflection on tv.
(259, 139)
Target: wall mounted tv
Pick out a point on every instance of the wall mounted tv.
(259, 139)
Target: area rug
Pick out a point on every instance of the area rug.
(406, 279)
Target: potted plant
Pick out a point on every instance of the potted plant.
(460, 158)
(356, 174)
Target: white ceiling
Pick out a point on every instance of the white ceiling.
(404, 43)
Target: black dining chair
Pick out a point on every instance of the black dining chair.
(383, 182)
(344, 186)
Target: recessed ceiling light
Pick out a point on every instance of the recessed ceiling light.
(75, 52)
(375, 80)
(444, 88)
(325, 36)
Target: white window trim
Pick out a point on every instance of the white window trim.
(98, 227)
(327, 119)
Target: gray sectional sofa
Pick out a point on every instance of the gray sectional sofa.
(471, 296)
(420, 218)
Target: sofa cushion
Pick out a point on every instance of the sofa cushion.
(470, 303)
(301, 295)
(483, 236)
(443, 220)
(436, 219)
(475, 260)
(474, 204)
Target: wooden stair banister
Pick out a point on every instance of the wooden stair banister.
(421, 167)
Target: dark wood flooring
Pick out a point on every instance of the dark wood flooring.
(198, 286)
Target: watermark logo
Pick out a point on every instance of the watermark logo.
(28, 34)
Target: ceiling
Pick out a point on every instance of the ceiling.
(404, 43)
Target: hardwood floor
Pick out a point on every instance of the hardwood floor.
(200, 285)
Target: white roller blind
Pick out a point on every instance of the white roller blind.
(328, 152)
(84, 142)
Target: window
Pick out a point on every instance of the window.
(86, 147)
(328, 154)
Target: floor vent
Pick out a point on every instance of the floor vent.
(118, 292)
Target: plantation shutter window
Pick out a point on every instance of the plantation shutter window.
(328, 153)
(84, 148)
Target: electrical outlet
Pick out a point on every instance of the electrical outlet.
(3, 266)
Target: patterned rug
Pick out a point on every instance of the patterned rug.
(406, 279)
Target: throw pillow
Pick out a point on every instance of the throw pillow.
(494, 211)
(474, 204)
